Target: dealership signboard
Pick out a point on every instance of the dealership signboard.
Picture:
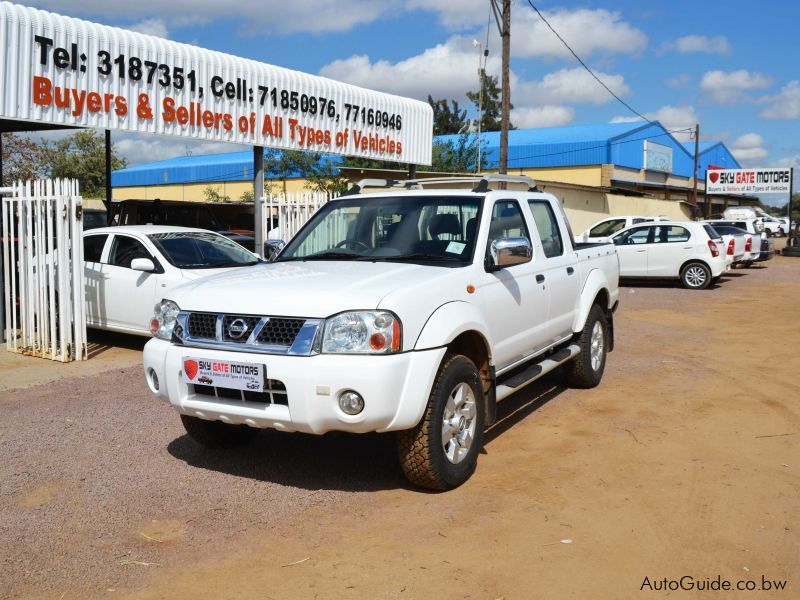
(749, 181)
(64, 71)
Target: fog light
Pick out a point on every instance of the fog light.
(151, 374)
(351, 402)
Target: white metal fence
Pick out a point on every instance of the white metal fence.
(284, 215)
(43, 270)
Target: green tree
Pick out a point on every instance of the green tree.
(212, 194)
(80, 156)
(247, 196)
(492, 103)
(21, 160)
(448, 118)
(457, 156)
(319, 174)
(325, 177)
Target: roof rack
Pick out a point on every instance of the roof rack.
(481, 182)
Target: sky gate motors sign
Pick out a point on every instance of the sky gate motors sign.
(65, 71)
(748, 181)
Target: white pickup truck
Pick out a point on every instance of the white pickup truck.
(412, 310)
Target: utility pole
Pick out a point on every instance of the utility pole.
(505, 35)
(696, 162)
(503, 19)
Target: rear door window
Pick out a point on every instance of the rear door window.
(667, 234)
(546, 224)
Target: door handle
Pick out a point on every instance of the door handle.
(570, 270)
(642, 250)
(540, 278)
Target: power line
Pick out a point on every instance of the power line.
(585, 66)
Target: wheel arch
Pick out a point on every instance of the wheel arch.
(691, 261)
(460, 328)
(596, 288)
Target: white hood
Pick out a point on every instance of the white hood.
(313, 289)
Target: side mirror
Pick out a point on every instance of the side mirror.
(272, 248)
(143, 264)
(507, 252)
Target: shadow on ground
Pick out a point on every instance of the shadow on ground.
(98, 341)
(340, 461)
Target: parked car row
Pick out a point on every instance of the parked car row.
(694, 252)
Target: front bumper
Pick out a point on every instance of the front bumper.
(395, 388)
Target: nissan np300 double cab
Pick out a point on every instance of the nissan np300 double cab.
(410, 310)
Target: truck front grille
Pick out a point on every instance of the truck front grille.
(281, 332)
(264, 334)
(202, 326)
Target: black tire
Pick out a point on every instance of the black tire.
(748, 264)
(580, 372)
(696, 276)
(421, 450)
(216, 434)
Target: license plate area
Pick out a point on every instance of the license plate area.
(228, 374)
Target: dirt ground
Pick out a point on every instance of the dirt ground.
(685, 461)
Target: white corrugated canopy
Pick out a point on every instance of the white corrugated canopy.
(20, 64)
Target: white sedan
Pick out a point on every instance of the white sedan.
(128, 269)
(686, 250)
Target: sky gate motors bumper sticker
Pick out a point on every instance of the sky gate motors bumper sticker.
(224, 373)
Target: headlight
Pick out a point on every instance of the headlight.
(164, 318)
(362, 332)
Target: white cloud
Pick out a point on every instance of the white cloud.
(729, 87)
(447, 70)
(155, 27)
(785, 105)
(542, 116)
(794, 162)
(749, 149)
(673, 118)
(139, 149)
(574, 86)
(255, 16)
(455, 15)
(679, 81)
(698, 43)
(586, 31)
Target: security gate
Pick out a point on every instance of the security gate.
(43, 270)
(284, 215)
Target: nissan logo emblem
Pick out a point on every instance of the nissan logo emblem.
(237, 329)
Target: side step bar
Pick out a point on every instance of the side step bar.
(510, 384)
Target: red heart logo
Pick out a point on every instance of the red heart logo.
(190, 368)
(713, 177)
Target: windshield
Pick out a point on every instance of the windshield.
(199, 250)
(607, 228)
(423, 229)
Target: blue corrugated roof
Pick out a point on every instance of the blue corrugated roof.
(712, 154)
(621, 144)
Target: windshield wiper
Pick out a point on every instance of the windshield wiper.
(324, 255)
(422, 256)
(220, 265)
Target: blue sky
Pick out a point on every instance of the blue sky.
(731, 66)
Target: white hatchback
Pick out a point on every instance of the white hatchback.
(128, 269)
(686, 250)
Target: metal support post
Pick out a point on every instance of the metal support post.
(258, 195)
